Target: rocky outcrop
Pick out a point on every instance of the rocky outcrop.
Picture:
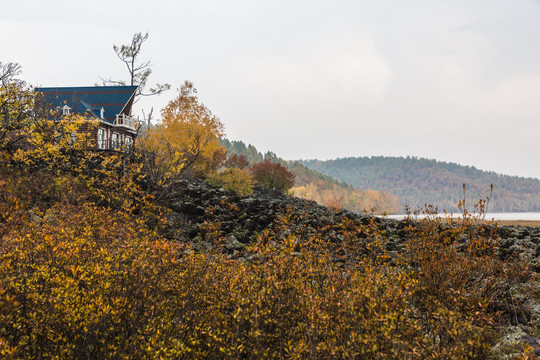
(197, 208)
(195, 204)
(523, 241)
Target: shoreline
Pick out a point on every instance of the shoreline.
(531, 219)
(529, 223)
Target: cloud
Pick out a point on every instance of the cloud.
(345, 68)
(57, 53)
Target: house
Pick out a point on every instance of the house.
(110, 105)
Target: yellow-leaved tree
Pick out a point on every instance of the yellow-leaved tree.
(186, 139)
(16, 106)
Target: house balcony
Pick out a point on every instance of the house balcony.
(127, 122)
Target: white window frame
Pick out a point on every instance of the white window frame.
(115, 140)
(102, 144)
(128, 141)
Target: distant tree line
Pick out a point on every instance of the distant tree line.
(417, 181)
(320, 187)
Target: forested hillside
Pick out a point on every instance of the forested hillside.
(322, 188)
(416, 181)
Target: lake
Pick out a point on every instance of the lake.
(516, 216)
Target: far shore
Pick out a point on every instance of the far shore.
(534, 222)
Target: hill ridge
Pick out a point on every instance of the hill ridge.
(322, 188)
(417, 181)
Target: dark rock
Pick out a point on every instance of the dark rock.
(233, 243)
(195, 203)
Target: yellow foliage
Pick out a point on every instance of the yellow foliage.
(187, 137)
(54, 142)
(80, 281)
(239, 181)
(16, 113)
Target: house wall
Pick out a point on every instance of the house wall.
(125, 138)
(108, 142)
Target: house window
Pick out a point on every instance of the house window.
(101, 139)
(66, 110)
(129, 143)
(115, 140)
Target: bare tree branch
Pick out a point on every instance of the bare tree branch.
(8, 71)
(139, 72)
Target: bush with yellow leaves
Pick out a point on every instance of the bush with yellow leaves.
(236, 180)
(81, 281)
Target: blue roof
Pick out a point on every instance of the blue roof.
(89, 100)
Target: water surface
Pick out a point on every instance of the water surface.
(515, 216)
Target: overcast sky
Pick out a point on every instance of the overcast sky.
(456, 80)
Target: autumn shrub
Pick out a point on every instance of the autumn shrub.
(58, 163)
(287, 303)
(81, 281)
(237, 161)
(464, 290)
(334, 204)
(236, 180)
(272, 175)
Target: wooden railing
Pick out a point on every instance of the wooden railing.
(126, 121)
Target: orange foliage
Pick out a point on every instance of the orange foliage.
(272, 175)
(237, 161)
(186, 140)
(354, 200)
